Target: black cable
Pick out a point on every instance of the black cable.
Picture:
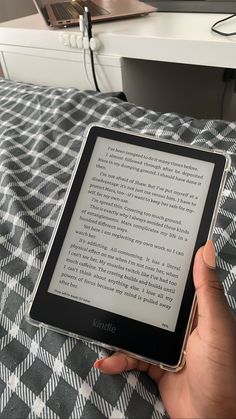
(88, 27)
(220, 21)
(93, 70)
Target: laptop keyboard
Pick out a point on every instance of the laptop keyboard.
(67, 10)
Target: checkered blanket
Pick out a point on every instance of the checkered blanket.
(42, 373)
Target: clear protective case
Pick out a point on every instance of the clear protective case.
(181, 362)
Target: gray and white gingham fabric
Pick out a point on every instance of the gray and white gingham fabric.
(42, 373)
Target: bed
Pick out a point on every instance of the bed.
(42, 373)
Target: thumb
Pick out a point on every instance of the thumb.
(213, 308)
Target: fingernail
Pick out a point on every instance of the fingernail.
(209, 254)
(98, 363)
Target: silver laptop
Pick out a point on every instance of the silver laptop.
(61, 13)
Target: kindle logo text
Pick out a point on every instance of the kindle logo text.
(108, 327)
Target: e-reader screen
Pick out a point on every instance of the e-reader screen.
(131, 237)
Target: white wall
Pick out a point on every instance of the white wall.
(13, 9)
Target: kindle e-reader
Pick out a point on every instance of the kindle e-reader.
(118, 269)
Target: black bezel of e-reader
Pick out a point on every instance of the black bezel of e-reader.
(146, 341)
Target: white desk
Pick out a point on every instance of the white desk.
(29, 51)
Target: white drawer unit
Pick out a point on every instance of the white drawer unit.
(58, 68)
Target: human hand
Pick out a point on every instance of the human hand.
(206, 386)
